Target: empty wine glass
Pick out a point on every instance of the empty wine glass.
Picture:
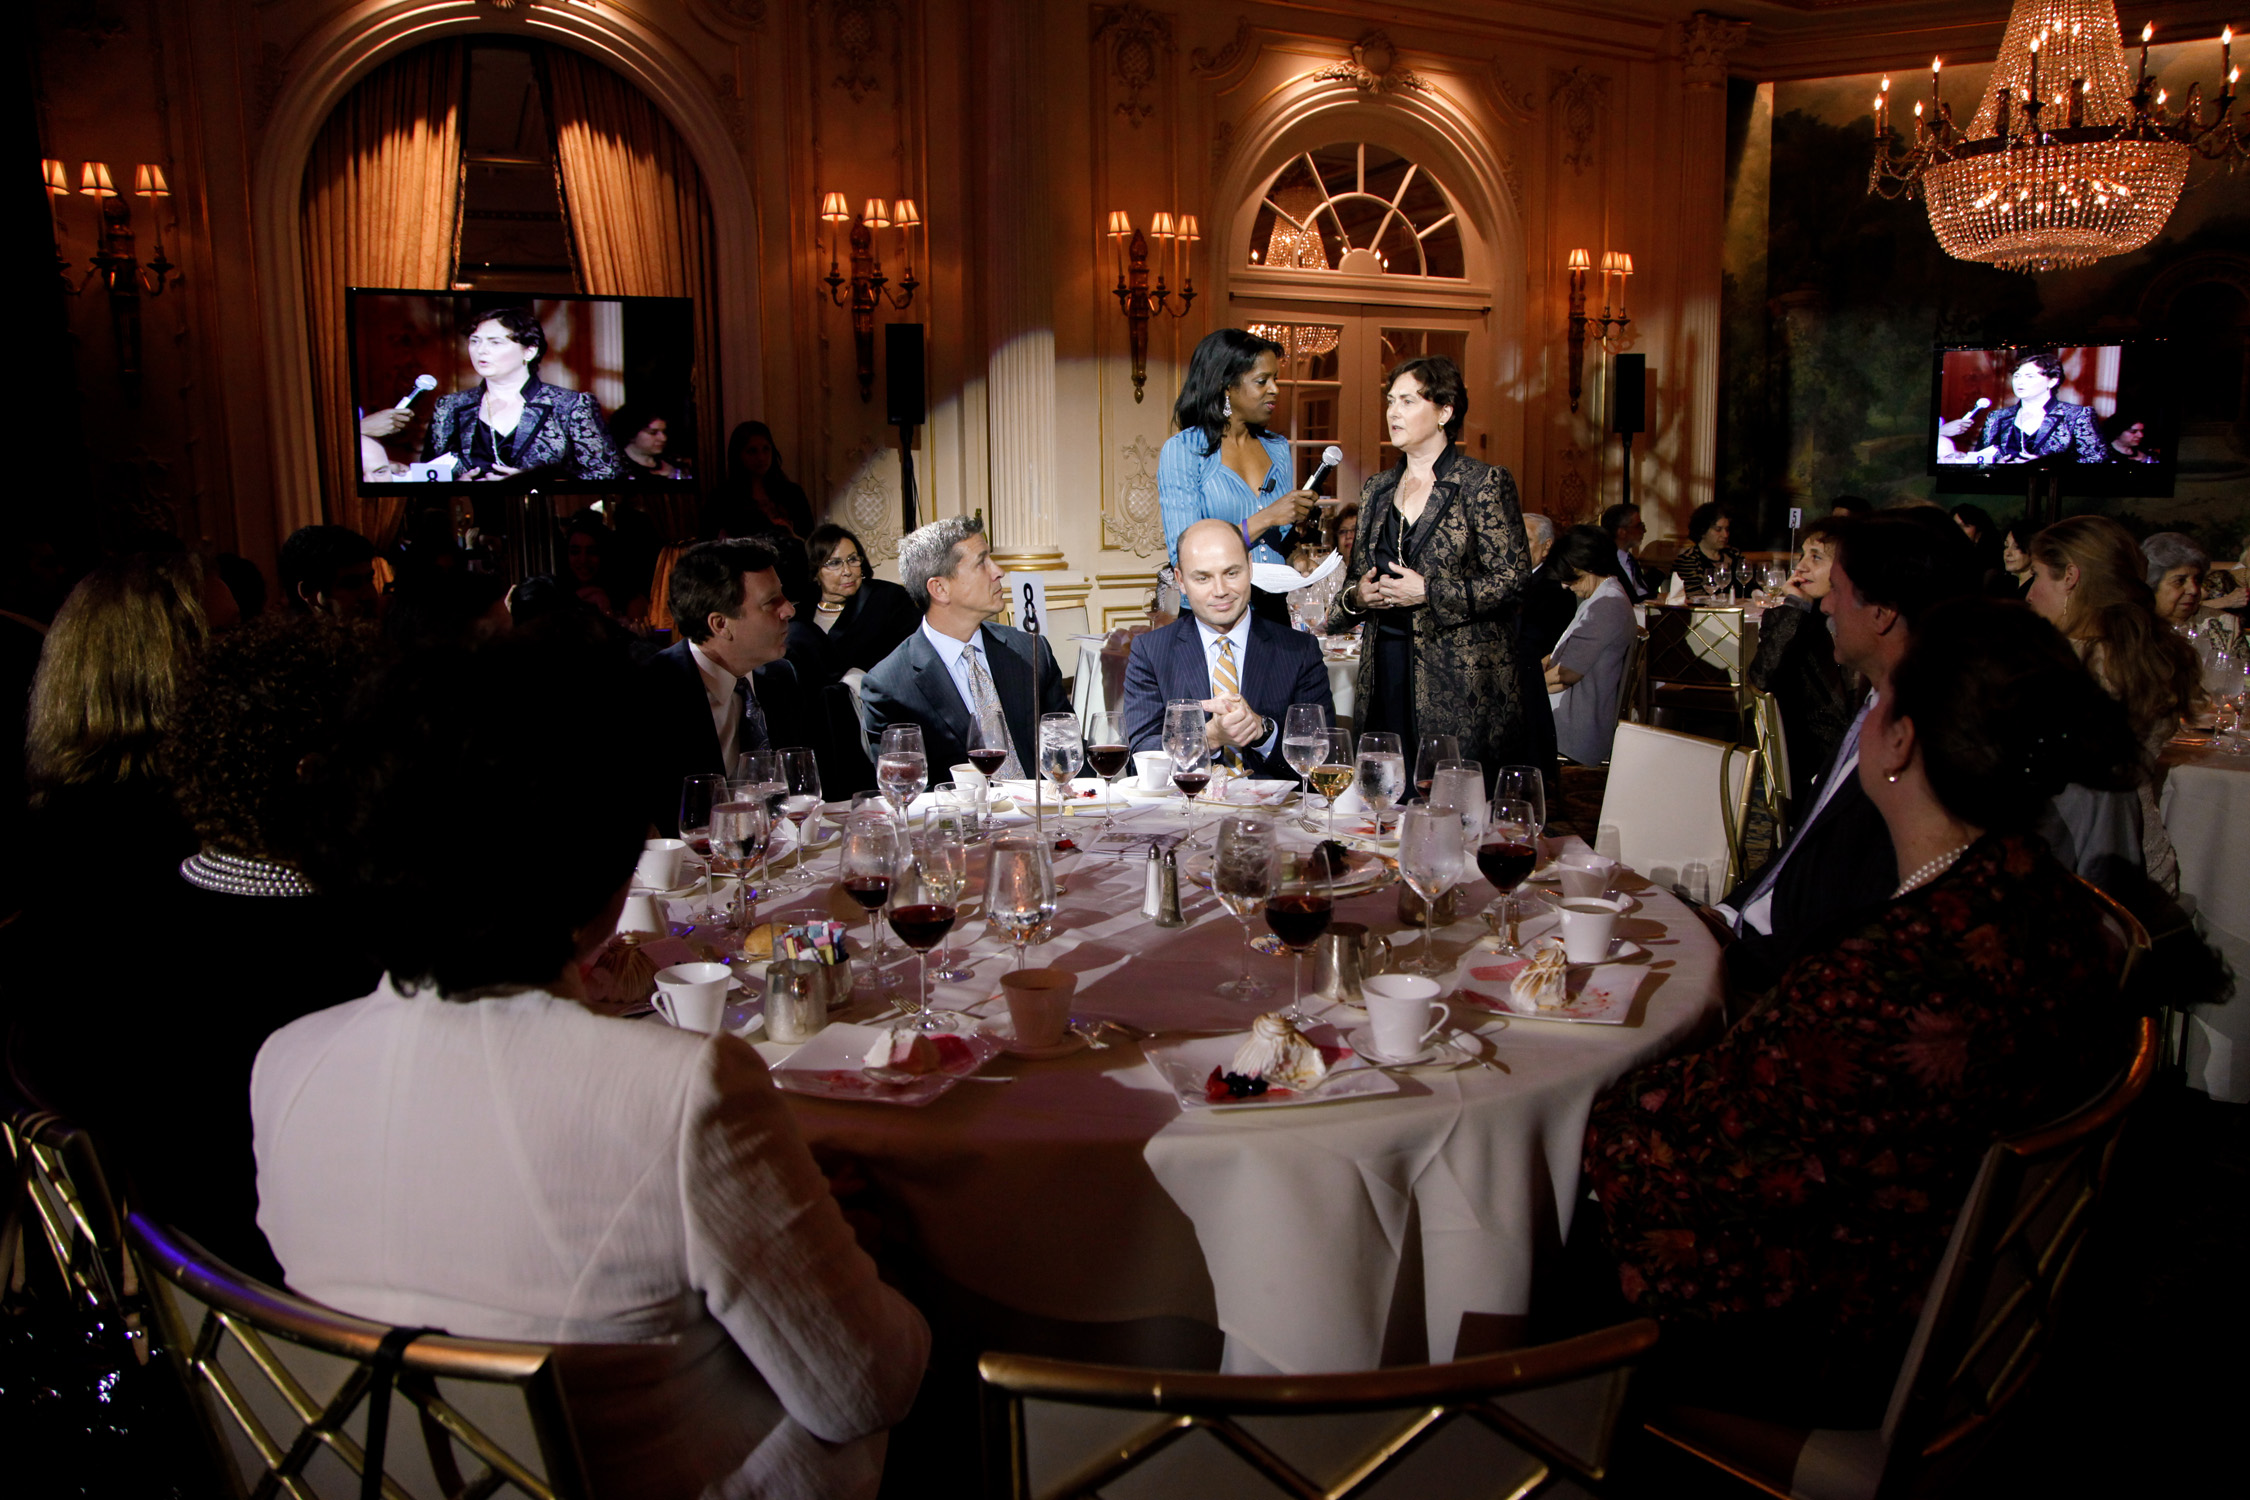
(902, 767)
(1506, 856)
(1242, 871)
(948, 820)
(1108, 755)
(1019, 888)
(1299, 911)
(698, 795)
(1333, 771)
(1742, 574)
(800, 775)
(1431, 862)
(1524, 784)
(1303, 740)
(1382, 774)
(740, 827)
(1430, 751)
(872, 856)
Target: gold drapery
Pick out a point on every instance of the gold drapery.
(382, 207)
(640, 225)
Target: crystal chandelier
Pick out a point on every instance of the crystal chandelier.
(2069, 158)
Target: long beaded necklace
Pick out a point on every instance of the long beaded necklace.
(241, 875)
(1930, 871)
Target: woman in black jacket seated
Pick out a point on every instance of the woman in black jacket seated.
(865, 617)
(1796, 662)
(239, 943)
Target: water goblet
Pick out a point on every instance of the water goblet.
(1381, 768)
(948, 829)
(1431, 860)
(1062, 746)
(1019, 887)
(902, 767)
(1303, 740)
(800, 774)
(1242, 871)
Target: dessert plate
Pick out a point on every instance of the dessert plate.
(829, 1067)
(1621, 950)
(1601, 994)
(1364, 871)
(1185, 1066)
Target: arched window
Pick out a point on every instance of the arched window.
(1357, 209)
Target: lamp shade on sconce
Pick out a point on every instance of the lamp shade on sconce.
(1189, 230)
(834, 209)
(1120, 223)
(148, 181)
(1160, 227)
(94, 180)
(1581, 261)
(905, 215)
(877, 214)
(57, 175)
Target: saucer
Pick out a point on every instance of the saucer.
(1621, 950)
(682, 891)
(1005, 1035)
(1439, 1049)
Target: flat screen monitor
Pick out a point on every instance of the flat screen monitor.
(433, 372)
(2099, 418)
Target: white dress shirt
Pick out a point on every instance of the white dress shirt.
(1240, 635)
(726, 710)
(955, 654)
(1757, 910)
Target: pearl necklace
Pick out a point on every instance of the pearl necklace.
(241, 875)
(1930, 871)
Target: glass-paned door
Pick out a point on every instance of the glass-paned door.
(1331, 378)
(1310, 412)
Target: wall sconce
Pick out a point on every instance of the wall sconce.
(867, 281)
(114, 260)
(1134, 297)
(1609, 328)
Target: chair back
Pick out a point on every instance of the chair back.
(1677, 799)
(60, 1188)
(1533, 1418)
(286, 1387)
(1773, 752)
(1991, 1310)
(660, 587)
(1632, 684)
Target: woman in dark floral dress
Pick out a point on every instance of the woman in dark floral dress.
(1780, 1200)
(1439, 566)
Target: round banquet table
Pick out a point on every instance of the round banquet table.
(2206, 807)
(1335, 1236)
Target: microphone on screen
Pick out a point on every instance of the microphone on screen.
(421, 383)
(1330, 457)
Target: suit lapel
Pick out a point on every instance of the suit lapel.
(1019, 697)
(941, 698)
(1261, 674)
(1191, 668)
(538, 405)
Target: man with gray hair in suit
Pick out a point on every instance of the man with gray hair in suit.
(960, 668)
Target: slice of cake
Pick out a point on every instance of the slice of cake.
(1278, 1053)
(1544, 983)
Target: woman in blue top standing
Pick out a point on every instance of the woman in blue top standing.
(1223, 464)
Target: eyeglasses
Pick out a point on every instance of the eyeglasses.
(841, 565)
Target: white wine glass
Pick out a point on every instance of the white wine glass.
(1334, 771)
(1019, 888)
(1524, 784)
(1381, 767)
(698, 795)
(1242, 873)
(902, 767)
(1431, 860)
(800, 776)
(1431, 751)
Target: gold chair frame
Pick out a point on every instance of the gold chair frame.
(1773, 747)
(59, 1177)
(259, 1319)
(1185, 1401)
(1982, 1340)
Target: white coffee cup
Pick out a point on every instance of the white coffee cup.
(1039, 1004)
(643, 912)
(1586, 874)
(968, 780)
(1154, 770)
(692, 997)
(659, 867)
(1588, 923)
(1398, 1009)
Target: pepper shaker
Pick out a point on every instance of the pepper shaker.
(1168, 894)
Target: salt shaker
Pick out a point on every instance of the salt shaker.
(1168, 893)
(1152, 884)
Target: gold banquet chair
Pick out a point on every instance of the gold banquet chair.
(1494, 1425)
(1677, 799)
(286, 1387)
(1987, 1321)
(59, 1180)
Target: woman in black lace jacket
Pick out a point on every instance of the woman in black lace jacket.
(1796, 662)
(1439, 567)
(512, 423)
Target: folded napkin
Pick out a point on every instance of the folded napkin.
(1677, 593)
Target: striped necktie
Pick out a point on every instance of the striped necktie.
(1223, 676)
(985, 699)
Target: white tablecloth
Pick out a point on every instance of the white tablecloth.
(1083, 1192)
(2207, 812)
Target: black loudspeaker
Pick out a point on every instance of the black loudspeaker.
(902, 375)
(1628, 394)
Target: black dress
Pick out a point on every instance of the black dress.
(875, 620)
(1796, 662)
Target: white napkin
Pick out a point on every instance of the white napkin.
(1280, 578)
(1351, 801)
(1677, 593)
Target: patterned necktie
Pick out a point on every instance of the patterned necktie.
(1224, 677)
(750, 720)
(986, 700)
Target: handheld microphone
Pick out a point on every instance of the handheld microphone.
(421, 383)
(1982, 403)
(1330, 457)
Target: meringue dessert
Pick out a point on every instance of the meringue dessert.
(1544, 982)
(1278, 1053)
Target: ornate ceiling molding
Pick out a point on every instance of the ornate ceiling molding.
(1373, 68)
(1705, 41)
(1139, 39)
(1581, 98)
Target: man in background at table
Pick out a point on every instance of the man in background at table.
(1889, 572)
(723, 688)
(1244, 669)
(959, 667)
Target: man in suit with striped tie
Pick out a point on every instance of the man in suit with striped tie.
(1243, 668)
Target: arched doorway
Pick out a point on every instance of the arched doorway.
(1355, 257)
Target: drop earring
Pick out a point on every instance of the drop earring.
(1227, 407)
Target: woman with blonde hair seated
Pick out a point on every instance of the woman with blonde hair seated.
(2089, 581)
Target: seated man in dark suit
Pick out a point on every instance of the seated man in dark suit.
(1243, 668)
(958, 666)
(1889, 572)
(723, 688)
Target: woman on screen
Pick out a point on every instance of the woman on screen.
(512, 423)
(642, 432)
(2128, 440)
(2035, 425)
